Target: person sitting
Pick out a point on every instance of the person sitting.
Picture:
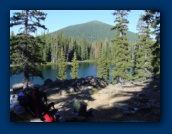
(50, 115)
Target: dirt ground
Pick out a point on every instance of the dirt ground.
(112, 104)
(116, 103)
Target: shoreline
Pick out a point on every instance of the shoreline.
(55, 63)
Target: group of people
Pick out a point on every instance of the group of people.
(35, 102)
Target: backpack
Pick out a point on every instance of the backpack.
(39, 96)
(37, 100)
(23, 99)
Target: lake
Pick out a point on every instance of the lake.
(51, 71)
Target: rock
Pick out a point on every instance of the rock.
(86, 81)
(89, 78)
(71, 90)
(121, 106)
(102, 84)
(55, 83)
(47, 81)
(36, 120)
(63, 92)
(86, 92)
(89, 87)
(86, 87)
(148, 81)
(13, 98)
(77, 89)
(93, 80)
(18, 86)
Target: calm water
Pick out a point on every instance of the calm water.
(51, 71)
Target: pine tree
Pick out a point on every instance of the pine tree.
(143, 53)
(11, 47)
(61, 66)
(102, 65)
(122, 55)
(75, 66)
(153, 17)
(25, 49)
(99, 64)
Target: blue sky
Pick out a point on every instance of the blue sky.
(58, 19)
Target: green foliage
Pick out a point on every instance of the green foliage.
(75, 66)
(102, 65)
(143, 53)
(153, 18)
(84, 49)
(92, 31)
(62, 67)
(88, 41)
(25, 48)
(122, 54)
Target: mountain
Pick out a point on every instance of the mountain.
(92, 31)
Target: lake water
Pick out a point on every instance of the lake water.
(51, 71)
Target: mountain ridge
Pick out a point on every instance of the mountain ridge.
(92, 31)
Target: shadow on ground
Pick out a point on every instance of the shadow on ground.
(142, 106)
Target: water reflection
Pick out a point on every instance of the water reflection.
(51, 71)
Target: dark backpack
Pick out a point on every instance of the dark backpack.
(39, 96)
(23, 99)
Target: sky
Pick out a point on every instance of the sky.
(58, 19)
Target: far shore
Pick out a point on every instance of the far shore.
(55, 63)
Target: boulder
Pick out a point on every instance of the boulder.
(71, 90)
(63, 92)
(18, 86)
(102, 83)
(55, 84)
(47, 81)
(93, 80)
(89, 77)
(89, 87)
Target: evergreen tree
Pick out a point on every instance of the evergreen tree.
(25, 49)
(91, 56)
(75, 66)
(61, 66)
(143, 53)
(99, 64)
(153, 18)
(102, 65)
(122, 55)
(11, 47)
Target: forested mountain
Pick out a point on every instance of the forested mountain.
(92, 31)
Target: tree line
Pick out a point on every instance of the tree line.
(133, 62)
